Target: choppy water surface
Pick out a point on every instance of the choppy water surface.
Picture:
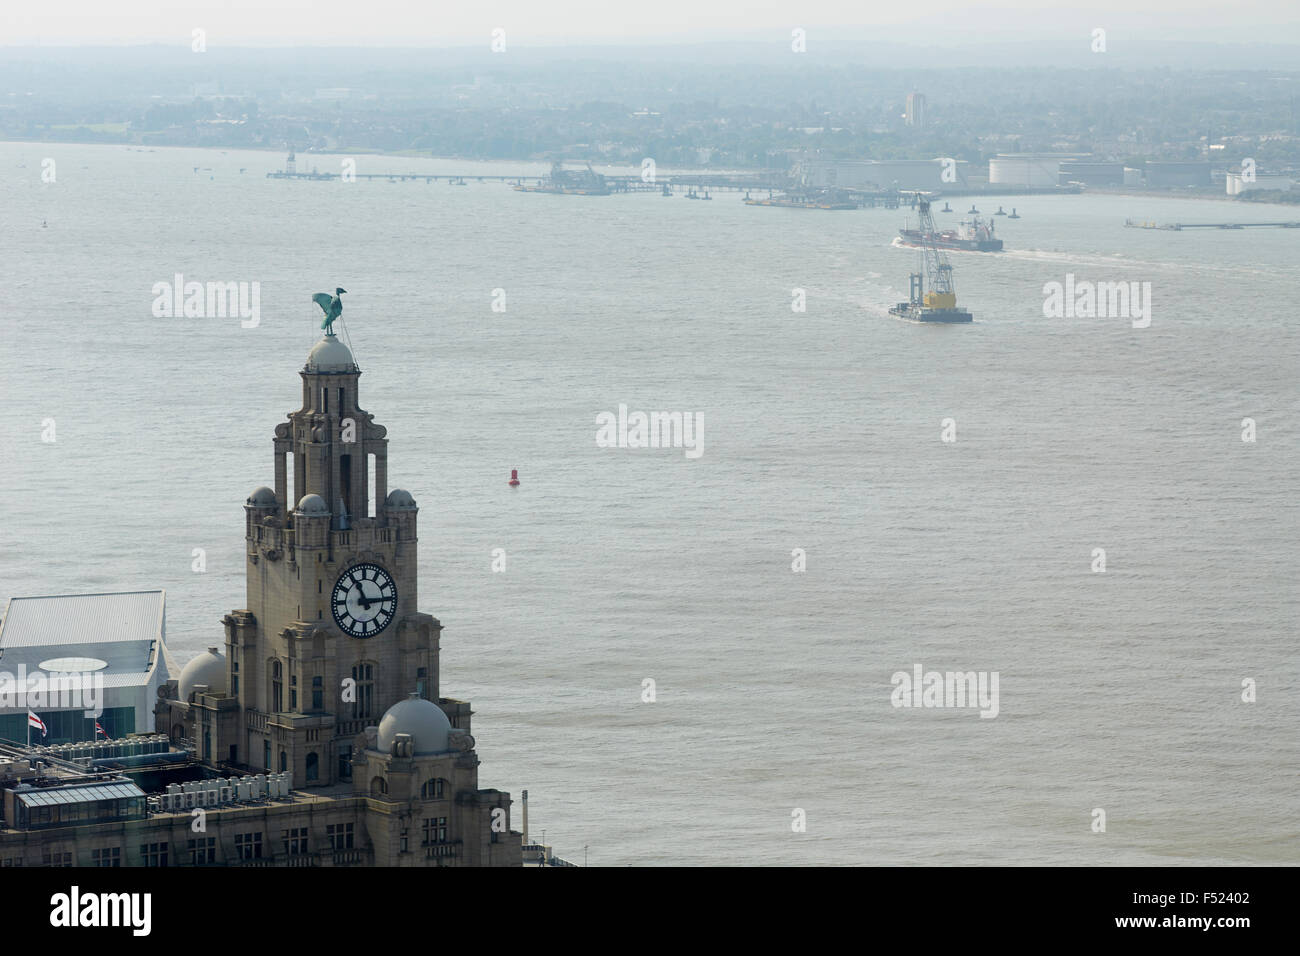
(821, 431)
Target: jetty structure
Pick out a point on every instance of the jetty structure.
(1177, 226)
(569, 182)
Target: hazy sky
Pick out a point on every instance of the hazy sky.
(551, 22)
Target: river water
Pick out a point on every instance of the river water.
(822, 430)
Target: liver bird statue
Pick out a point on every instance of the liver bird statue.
(332, 305)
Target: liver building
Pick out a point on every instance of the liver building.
(330, 673)
(318, 736)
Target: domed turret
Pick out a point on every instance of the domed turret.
(423, 720)
(330, 355)
(208, 669)
(263, 497)
(399, 499)
(312, 505)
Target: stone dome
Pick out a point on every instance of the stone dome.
(263, 497)
(208, 668)
(399, 498)
(312, 505)
(422, 719)
(330, 355)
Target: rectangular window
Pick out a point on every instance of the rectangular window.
(364, 675)
(345, 481)
(340, 836)
(435, 830)
(153, 854)
(55, 858)
(202, 851)
(295, 840)
(248, 846)
(371, 488)
(107, 856)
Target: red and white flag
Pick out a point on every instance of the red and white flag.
(35, 722)
(100, 730)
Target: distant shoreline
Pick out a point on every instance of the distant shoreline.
(983, 190)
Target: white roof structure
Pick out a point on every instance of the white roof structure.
(118, 635)
(92, 618)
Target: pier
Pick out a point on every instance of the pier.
(772, 189)
(1176, 226)
(456, 179)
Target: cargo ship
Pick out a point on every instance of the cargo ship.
(940, 303)
(568, 182)
(975, 235)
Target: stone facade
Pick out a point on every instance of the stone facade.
(300, 692)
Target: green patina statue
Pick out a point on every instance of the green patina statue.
(332, 306)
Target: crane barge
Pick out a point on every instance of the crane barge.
(940, 303)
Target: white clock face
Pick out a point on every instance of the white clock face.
(364, 600)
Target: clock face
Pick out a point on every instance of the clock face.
(364, 600)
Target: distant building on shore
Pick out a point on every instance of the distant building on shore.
(883, 174)
(915, 111)
(1091, 174)
(1164, 175)
(1030, 169)
(1237, 184)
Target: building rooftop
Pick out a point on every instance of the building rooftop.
(49, 620)
(51, 796)
(119, 637)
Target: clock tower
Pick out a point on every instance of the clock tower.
(332, 635)
(329, 682)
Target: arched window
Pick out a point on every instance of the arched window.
(313, 767)
(378, 787)
(433, 789)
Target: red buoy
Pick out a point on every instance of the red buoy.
(514, 477)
